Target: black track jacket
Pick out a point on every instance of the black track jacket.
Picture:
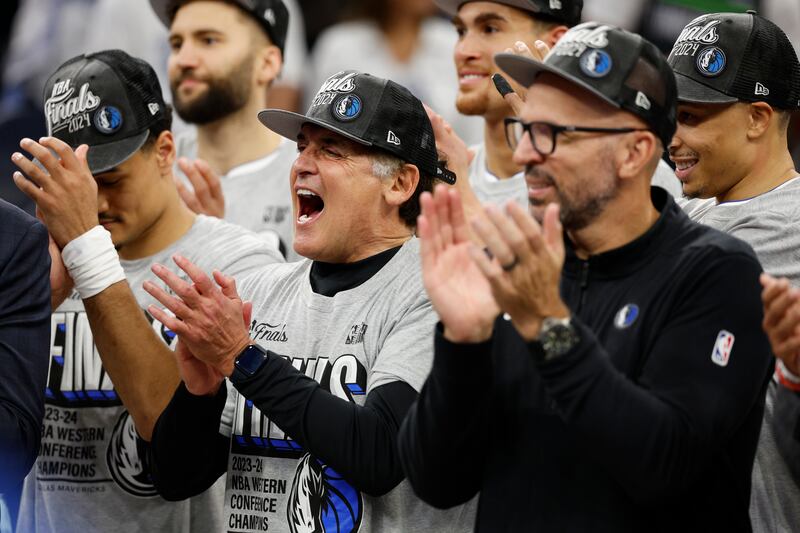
(649, 424)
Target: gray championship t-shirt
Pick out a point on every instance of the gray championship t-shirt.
(351, 343)
(491, 189)
(770, 223)
(257, 194)
(90, 474)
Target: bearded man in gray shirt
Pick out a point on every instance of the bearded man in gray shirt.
(326, 360)
(107, 196)
(738, 81)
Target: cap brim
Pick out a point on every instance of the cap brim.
(693, 91)
(451, 7)
(288, 124)
(104, 157)
(161, 8)
(524, 71)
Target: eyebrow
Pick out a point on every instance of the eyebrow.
(483, 18)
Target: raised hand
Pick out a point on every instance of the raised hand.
(208, 316)
(512, 98)
(458, 291)
(64, 190)
(207, 197)
(525, 271)
(782, 320)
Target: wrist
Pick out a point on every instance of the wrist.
(228, 365)
(787, 377)
(92, 262)
(470, 336)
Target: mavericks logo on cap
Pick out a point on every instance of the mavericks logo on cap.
(596, 63)
(108, 119)
(711, 61)
(347, 108)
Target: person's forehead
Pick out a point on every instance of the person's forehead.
(207, 14)
(471, 11)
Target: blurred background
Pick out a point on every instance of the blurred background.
(409, 41)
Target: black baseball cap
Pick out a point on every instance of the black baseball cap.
(723, 58)
(371, 111)
(272, 15)
(568, 12)
(108, 100)
(617, 66)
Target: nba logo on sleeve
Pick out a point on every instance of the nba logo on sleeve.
(722, 348)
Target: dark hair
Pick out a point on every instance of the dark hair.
(161, 125)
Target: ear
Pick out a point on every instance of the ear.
(760, 116)
(165, 153)
(401, 187)
(553, 36)
(636, 153)
(268, 64)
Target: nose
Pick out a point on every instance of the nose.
(305, 164)
(102, 201)
(185, 55)
(465, 49)
(525, 154)
(676, 142)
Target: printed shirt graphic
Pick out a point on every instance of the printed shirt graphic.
(374, 334)
(90, 474)
(257, 194)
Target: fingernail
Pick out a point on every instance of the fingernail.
(15, 156)
(502, 85)
(25, 142)
(520, 45)
(157, 267)
(17, 176)
(43, 139)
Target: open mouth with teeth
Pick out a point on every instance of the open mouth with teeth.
(310, 206)
(684, 167)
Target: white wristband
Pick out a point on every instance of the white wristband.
(92, 262)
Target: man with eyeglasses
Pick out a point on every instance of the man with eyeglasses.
(612, 380)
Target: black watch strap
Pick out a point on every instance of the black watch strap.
(249, 361)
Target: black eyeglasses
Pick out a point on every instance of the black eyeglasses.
(543, 134)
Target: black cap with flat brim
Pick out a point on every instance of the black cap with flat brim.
(722, 58)
(619, 67)
(567, 12)
(371, 111)
(107, 100)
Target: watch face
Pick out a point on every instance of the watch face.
(558, 340)
(251, 359)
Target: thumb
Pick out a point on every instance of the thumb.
(247, 313)
(82, 153)
(553, 230)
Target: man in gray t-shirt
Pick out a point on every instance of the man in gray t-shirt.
(111, 370)
(333, 350)
(738, 82)
(218, 87)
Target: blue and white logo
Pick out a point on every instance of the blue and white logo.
(347, 107)
(626, 316)
(596, 63)
(108, 119)
(711, 61)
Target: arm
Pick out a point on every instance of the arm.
(359, 442)
(180, 471)
(139, 363)
(658, 434)
(24, 345)
(209, 322)
(445, 428)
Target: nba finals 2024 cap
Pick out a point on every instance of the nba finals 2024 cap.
(371, 111)
(107, 100)
(724, 58)
(619, 67)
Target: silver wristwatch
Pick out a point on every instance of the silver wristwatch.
(557, 337)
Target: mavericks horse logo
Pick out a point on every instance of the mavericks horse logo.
(322, 501)
(125, 458)
(711, 61)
